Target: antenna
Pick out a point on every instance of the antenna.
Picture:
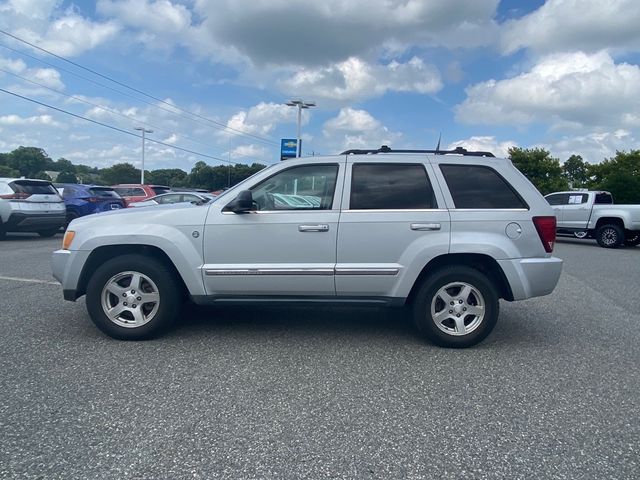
(439, 138)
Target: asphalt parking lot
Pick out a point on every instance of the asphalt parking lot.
(554, 392)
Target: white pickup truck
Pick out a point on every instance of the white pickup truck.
(593, 214)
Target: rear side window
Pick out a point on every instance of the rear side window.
(103, 192)
(604, 198)
(377, 186)
(478, 186)
(33, 188)
(557, 199)
(160, 190)
(122, 191)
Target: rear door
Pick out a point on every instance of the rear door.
(557, 202)
(392, 223)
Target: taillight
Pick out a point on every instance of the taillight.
(546, 227)
(16, 196)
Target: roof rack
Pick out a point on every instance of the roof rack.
(455, 151)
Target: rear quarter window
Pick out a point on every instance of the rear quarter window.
(479, 186)
(33, 188)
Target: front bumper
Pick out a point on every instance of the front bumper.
(66, 266)
(532, 277)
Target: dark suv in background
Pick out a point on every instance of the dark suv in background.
(81, 200)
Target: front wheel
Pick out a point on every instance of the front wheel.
(456, 307)
(48, 233)
(133, 297)
(580, 235)
(610, 236)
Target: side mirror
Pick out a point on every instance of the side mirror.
(243, 203)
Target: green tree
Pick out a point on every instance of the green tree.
(29, 161)
(63, 165)
(576, 171)
(8, 172)
(173, 177)
(120, 173)
(619, 175)
(540, 168)
(220, 176)
(66, 177)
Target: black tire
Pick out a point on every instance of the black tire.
(632, 239)
(428, 294)
(48, 233)
(3, 232)
(164, 279)
(610, 236)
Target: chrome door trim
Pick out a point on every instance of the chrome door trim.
(367, 271)
(267, 271)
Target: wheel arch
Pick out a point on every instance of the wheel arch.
(610, 221)
(481, 262)
(106, 252)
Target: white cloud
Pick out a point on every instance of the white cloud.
(299, 32)
(354, 128)
(572, 88)
(485, 144)
(39, 120)
(563, 25)
(594, 147)
(355, 79)
(248, 151)
(261, 119)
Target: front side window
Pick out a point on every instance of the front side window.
(309, 187)
(479, 186)
(381, 186)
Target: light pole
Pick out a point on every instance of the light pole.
(144, 131)
(300, 104)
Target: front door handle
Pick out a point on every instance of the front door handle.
(425, 226)
(314, 228)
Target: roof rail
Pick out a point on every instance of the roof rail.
(455, 151)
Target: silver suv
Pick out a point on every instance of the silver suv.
(446, 233)
(30, 206)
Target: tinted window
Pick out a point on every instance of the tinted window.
(477, 186)
(310, 187)
(390, 186)
(160, 190)
(557, 199)
(33, 188)
(122, 191)
(103, 192)
(604, 198)
(137, 192)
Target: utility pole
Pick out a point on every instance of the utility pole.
(144, 131)
(300, 104)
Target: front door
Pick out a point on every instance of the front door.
(287, 246)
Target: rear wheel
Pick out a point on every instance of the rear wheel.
(581, 235)
(610, 236)
(456, 307)
(133, 297)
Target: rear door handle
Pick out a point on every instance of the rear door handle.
(425, 226)
(314, 228)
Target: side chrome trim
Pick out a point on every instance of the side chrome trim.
(300, 271)
(391, 210)
(268, 271)
(367, 271)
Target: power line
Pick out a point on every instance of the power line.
(112, 111)
(119, 129)
(106, 77)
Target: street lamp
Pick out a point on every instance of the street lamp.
(300, 104)
(144, 131)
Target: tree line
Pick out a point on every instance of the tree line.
(619, 175)
(33, 162)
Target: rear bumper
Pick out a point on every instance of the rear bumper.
(34, 222)
(532, 277)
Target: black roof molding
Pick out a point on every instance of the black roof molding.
(455, 151)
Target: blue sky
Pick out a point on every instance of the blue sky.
(562, 74)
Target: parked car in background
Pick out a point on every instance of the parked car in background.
(135, 192)
(184, 189)
(593, 214)
(28, 205)
(81, 200)
(175, 197)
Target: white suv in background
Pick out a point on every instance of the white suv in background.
(28, 205)
(446, 233)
